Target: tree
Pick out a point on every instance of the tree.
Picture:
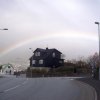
(93, 60)
(63, 56)
(0, 67)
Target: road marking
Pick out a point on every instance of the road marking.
(12, 88)
(25, 81)
(71, 79)
(15, 86)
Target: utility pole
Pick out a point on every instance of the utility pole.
(98, 23)
(4, 29)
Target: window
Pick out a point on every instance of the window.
(53, 55)
(33, 62)
(41, 61)
(60, 62)
(9, 66)
(37, 54)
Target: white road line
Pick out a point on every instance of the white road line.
(12, 88)
(71, 79)
(25, 81)
(16, 86)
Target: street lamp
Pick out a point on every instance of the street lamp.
(98, 23)
(4, 29)
(31, 49)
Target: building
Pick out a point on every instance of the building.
(46, 58)
(7, 69)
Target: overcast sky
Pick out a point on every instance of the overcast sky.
(67, 25)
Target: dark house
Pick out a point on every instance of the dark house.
(46, 58)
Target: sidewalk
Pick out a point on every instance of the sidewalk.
(1, 75)
(94, 83)
(6, 75)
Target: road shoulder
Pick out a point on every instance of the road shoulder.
(94, 83)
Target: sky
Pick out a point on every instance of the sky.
(67, 25)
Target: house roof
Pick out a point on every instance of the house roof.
(46, 52)
(6, 65)
(39, 49)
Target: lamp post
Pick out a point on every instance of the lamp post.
(98, 23)
(4, 29)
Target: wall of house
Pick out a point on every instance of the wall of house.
(58, 55)
(7, 70)
(49, 61)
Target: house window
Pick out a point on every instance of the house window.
(9, 66)
(37, 54)
(60, 62)
(33, 62)
(41, 61)
(53, 55)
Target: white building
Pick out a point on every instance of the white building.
(7, 69)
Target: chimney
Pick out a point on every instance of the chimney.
(46, 48)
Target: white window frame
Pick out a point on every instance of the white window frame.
(33, 61)
(41, 61)
(60, 62)
(37, 54)
(53, 54)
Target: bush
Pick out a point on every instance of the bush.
(36, 72)
(0, 67)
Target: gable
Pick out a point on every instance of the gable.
(39, 50)
(47, 50)
(56, 51)
(7, 66)
(44, 53)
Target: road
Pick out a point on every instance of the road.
(12, 88)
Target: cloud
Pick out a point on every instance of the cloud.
(27, 19)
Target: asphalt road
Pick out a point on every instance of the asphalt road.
(12, 88)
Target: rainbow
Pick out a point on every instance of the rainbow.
(72, 35)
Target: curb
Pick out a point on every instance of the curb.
(95, 92)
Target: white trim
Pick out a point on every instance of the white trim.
(33, 61)
(41, 61)
(53, 54)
